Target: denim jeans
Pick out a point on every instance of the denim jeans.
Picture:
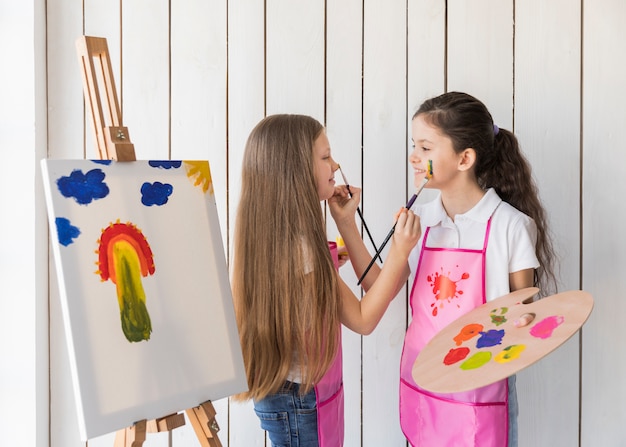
(289, 418)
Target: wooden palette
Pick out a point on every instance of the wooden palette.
(496, 340)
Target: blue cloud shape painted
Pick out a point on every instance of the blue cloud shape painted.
(156, 193)
(84, 187)
(164, 164)
(66, 232)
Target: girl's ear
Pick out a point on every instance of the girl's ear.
(467, 158)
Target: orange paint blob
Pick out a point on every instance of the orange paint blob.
(468, 332)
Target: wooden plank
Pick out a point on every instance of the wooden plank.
(198, 118)
(480, 54)
(603, 387)
(547, 123)
(246, 107)
(426, 68)
(103, 19)
(198, 92)
(343, 127)
(145, 82)
(65, 140)
(384, 184)
(295, 65)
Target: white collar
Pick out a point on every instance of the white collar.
(481, 212)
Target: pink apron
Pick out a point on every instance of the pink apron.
(329, 395)
(448, 283)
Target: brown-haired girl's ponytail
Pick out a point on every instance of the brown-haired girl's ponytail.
(508, 172)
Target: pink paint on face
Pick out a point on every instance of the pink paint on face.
(545, 327)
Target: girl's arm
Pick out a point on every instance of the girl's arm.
(382, 285)
(343, 210)
(521, 279)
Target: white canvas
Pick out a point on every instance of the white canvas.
(127, 233)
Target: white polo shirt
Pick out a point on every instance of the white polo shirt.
(511, 243)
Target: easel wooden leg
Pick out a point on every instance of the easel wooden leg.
(166, 423)
(131, 436)
(202, 419)
(136, 435)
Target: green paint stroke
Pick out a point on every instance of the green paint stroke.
(136, 323)
(476, 361)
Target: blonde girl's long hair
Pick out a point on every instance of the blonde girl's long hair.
(283, 278)
(500, 164)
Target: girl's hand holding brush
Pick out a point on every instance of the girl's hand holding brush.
(407, 233)
(427, 177)
(343, 204)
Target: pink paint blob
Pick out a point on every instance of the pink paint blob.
(545, 327)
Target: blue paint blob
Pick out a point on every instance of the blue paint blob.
(103, 162)
(165, 164)
(66, 232)
(490, 338)
(84, 187)
(156, 193)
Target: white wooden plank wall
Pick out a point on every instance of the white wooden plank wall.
(195, 76)
(603, 240)
(547, 122)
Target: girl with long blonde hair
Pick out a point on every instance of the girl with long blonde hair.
(289, 300)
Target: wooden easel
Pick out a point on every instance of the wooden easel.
(113, 143)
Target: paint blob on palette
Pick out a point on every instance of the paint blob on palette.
(498, 339)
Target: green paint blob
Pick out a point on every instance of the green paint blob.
(476, 361)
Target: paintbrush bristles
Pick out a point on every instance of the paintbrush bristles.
(345, 180)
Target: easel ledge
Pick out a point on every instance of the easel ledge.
(113, 143)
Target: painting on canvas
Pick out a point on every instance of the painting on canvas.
(144, 288)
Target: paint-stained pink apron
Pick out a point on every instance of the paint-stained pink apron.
(448, 284)
(329, 395)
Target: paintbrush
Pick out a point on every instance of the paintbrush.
(358, 209)
(408, 206)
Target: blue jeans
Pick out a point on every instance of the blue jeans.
(289, 418)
